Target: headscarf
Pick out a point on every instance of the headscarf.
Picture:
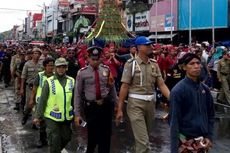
(218, 53)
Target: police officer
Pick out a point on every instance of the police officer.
(223, 74)
(138, 79)
(96, 91)
(55, 105)
(39, 81)
(29, 72)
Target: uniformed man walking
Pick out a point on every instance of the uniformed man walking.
(223, 74)
(96, 91)
(138, 79)
(17, 76)
(55, 105)
(29, 72)
(39, 81)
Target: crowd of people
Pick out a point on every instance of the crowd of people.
(82, 83)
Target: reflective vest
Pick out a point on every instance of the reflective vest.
(59, 106)
(42, 79)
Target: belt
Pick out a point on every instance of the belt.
(143, 97)
(224, 73)
(98, 102)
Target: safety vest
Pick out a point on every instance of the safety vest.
(59, 106)
(42, 79)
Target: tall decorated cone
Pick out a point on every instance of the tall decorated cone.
(109, 26)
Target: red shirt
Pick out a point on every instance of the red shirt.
(112, 66)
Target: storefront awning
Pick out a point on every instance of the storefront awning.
(161, 36)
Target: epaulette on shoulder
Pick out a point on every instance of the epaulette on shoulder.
(130, 60)
(105, 66)
(84, 68)
(153, 60)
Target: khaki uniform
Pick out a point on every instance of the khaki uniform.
(141, 78)
(223, 73)
(15, 62)
(29, 72)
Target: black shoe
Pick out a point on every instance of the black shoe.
(41, 143)
(24, 119)
(17, 107)
(34, 127)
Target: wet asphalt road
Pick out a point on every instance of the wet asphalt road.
(22, 139)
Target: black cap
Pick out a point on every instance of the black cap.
(94, 52)
(188, 57)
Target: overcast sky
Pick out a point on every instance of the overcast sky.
(8, 18)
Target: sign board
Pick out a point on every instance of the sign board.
(169, 22)
(129, 22)
(63, 3)
(142, 21)
(161, 14)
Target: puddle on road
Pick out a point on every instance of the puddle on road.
(2, 119)
(223, 128)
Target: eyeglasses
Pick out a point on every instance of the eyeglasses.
(70, 52)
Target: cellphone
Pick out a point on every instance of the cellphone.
(83, 123)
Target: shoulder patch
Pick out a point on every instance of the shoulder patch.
(105, 66)
(153, 60)
(130, 60)
(84, 68)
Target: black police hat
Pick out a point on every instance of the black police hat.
(94, 52)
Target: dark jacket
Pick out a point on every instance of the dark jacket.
(191, 112)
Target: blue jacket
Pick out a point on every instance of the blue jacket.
(191, 112)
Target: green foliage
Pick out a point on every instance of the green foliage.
(112, 30)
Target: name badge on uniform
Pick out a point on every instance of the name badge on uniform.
(56, 109)
(105, 73)
(203, 91)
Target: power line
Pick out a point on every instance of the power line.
(13, 9)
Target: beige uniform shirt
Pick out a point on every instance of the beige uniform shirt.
(143, 79)
(223, 67)
(14, 61)
(30, 71)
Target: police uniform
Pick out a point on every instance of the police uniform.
(15, 62)
(223, 73)
(138, 80)
(29, 72)
(141, 100)
(55, 105)
(97, 111)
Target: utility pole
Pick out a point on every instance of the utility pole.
(171, 32)
(45, 24)
(156, 13)
(190, 22)
(213, 22)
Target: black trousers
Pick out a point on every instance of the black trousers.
(99, 125)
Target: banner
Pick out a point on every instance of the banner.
(129, 22)
(201, 16)
(163, 16)
(63, 3)
(142, 21)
